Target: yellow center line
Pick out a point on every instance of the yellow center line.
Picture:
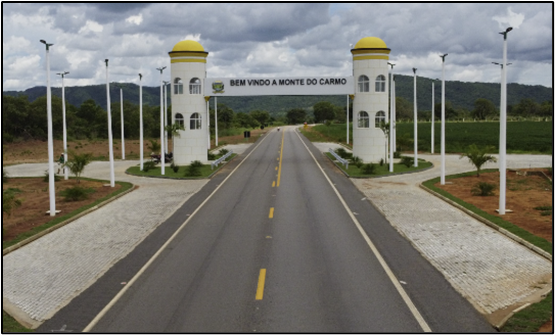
(271, 216)
(261, 281)
(280, 158)
(274, 183)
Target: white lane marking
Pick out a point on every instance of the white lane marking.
(384, 265)
(151, 260)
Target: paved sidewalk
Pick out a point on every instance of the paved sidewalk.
(495, 273)
(43, 276)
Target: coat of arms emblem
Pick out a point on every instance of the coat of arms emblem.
(218, 86)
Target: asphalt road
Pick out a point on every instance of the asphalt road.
(275, 249)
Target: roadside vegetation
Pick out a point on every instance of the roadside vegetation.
(536, 315)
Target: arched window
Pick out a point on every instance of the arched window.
(363, 84)
(380, 83)
(380, 119)
(177, 86)
(195, 121)
(179, 120)
(194, 86)
(363, 120)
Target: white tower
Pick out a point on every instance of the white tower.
(188, 71)
(370, 106)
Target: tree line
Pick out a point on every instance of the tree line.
(24, 120)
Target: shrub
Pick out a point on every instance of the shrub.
(9, 200)
(396, 154)
(223, 151)
(341, 152)
(211, 156)
(148, 165)
(174, 167)
(368, 168)
(483, 189)
(4, 176)
(193, 170)
(76, 193)
(382, 162)
(357, 161)
(407, 161)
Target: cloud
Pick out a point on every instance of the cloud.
(277, 39)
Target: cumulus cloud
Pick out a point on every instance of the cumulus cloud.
(277, 39)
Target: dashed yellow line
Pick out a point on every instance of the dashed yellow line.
(271, 216)
(261, 281)
(280, 158)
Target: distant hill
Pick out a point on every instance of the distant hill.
(460, 94)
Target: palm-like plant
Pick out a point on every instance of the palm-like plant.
(478, 156)
(76, 163)
(9, 201)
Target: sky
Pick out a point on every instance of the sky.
(272, 40)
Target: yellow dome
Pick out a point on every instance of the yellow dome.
(188, 45)
(370, 43)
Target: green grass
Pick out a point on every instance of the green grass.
(206, 171)
(522, 136)
(383, 170)
(124, 187)
(10, 325)
(532, 318)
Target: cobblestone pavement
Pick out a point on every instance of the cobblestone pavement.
(43, 276)
(492, 271)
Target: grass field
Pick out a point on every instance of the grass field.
(522, 137)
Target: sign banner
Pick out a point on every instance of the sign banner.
(279, 86)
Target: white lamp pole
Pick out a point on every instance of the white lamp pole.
(162, 149)
(347, 119)
(62, 74)
(207, 98)
(433, 115)
(415, 123)
(216, 120)
(503, 128)
(122, 135)
(141, 120)
(110, 140)
(442, 178)
(51, 187)
(166, 114)
(391, 111)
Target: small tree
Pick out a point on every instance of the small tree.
(154, 146)
(76, 163)
(478, 156)
(173, 130)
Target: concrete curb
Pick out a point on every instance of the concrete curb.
(492, 225)
(63, 223)
(184, 178)
(380, 176)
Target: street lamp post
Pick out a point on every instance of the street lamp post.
(110, 140)
(391, 116)
(503, 128)
(442, 177)
(162, 149)
(51, 187)
(141, 120)
(166, 114)
(433, 115)
(415, 123)
(62, 74)
(122, 134)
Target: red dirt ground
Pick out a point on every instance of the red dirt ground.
(35, 201)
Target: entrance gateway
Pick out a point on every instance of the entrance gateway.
(191, 91)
